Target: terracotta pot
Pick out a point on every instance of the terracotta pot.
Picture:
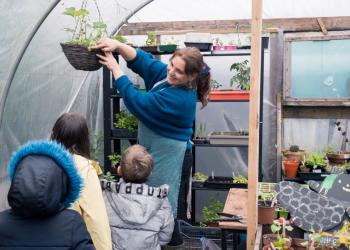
(291, 168)
(265, 215)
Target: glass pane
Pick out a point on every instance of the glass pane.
(320, 69)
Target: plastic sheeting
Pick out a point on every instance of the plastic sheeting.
(39, 84)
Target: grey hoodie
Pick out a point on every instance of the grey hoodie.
(140, 216)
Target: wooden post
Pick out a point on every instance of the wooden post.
(254, 107)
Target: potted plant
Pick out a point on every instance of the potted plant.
(115, 161)
(126, 125)
(210, 212)
(279, 239)
(241, 77)
(266, 207)
(151, 43)
(239, 179)
(294, 153)
(230, 46)
(84, 35)
(217, 44)
(317, 162)
(291, 168)
(239, 137)
(198, 179)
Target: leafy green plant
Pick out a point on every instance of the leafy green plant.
(115, 159)
(125, 119)
(108, 176)
(239, 179)
(199, 176)
(210, 213)
(315, 161)
(282, 240)
(267, 198)
(151, 39)
(241, 77)
(85, 32)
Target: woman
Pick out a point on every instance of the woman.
(167, 110)
(71, 130)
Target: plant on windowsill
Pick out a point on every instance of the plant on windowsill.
(217, 44)
(84, 35)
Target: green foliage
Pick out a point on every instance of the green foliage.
(241, 77)
(151, 39)
(239, 179)
(109, 177)
(96, 143)
(115, 159)
(84, 32)
(267, 197)
(316, 161)
(199, 176)
(210, 212)
(120, 38)
(124, 119)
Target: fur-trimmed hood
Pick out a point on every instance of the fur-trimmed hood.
(43, 178)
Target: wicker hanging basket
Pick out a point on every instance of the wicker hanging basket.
(81, 58)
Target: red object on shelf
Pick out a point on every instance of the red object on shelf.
(230, 47)
(229, 95)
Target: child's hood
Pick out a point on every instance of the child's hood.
(134, 203)
(43, 178)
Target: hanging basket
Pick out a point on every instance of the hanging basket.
(81, 58)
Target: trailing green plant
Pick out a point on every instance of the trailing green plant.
(241, 77)
(199, 176)
(239, 179)
(85, 32)
(124, 119)
(210, 212)
(115, 159)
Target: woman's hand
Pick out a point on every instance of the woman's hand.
(107, 44)
(109, 61)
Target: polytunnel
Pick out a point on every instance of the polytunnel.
(37, 83)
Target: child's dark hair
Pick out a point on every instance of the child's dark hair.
(136, 164)
(71, 130)
(196, 66)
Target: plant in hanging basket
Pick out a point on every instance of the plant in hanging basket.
(84, 35)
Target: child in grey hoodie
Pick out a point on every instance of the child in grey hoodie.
(140, 216)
